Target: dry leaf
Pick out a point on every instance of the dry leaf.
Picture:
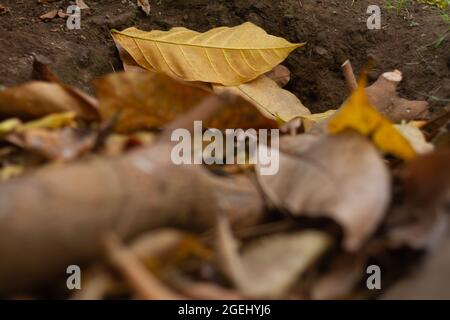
(430, 282)
(10, 171)
(358, 114)
(53, 121)
(341, 177)
(81, 4)
(344, 273)
(271, 100)
(128, 63)
(59, 145)
(9, 125)
(147, 100)
(421, 220)
(37, 99)
(268, 267)
(49, 15)
(383, 96)
(415, 137)
(229, 56)
(280, 74)
(144, 5)
(63, 14)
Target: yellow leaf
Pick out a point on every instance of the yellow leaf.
(10, 171)
(53, 121)
(229, 56)
(271, 100)
(9, 125)
(358, 114)
(318, 117)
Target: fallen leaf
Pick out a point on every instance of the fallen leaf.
(309, 121)
(344, 273)
(150, 100)
(59, 145)
(415, 137)
(9, 125)
(128, 63)
(228, 56)
(358, 114)
(270, 266)
(63, 14)
(271, 100)
(81, 4)
(422, 218)
(36, 99)
(144, 5)
(383, 96)
(10, 171)
(342, 177)
(49, 15)
(430, 282)
(117, 144)
(53, 121)
(280, 74)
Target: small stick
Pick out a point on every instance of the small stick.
(139, 278)
(349, 75)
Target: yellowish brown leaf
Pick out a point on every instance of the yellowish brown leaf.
(228, 56)
(358, 114)
(271, 100)
(150, 100)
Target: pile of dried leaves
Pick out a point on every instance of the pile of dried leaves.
(81, 176)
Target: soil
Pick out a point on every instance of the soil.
(333, 30)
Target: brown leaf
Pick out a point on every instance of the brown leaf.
(383, 95)
(280, 74)
(128, 63)
(342, 177)
(431, 281)
(81, 4)
(344, 274)
(144, 5)
(268, 267)
(421, 220)
(49, 15)
(36, 99)
(59, 145)
(151, 100)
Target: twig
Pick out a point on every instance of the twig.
(139, 278)
(349, 75)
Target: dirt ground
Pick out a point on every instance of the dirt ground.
(333, 30)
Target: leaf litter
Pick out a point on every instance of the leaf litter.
(367, 168)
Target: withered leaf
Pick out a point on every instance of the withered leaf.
(271, 100)
(146, 100)
(341, 177)
(268, 267)
(37, 99)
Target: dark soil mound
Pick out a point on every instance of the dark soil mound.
(334, 31)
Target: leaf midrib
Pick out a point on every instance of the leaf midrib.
(293, 45)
